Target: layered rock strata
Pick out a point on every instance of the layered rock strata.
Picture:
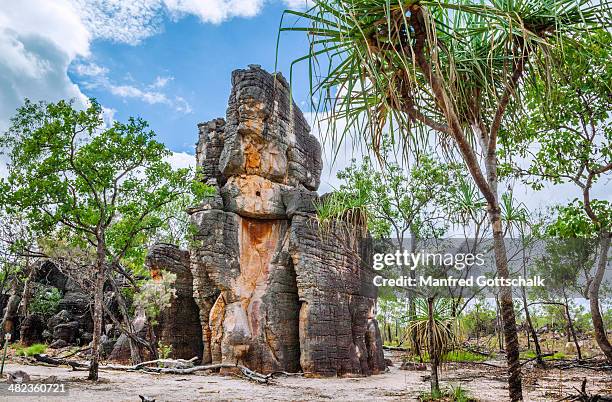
(274, 292)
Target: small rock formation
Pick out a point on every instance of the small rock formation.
(31, 330)
(274, 292)
(179, 324)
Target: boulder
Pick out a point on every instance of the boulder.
(60, 318)
(68, 332)
(58, 344)
(31, 331)
(121, 349)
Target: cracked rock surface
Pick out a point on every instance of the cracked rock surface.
(273, 292)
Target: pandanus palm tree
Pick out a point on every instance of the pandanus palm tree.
(433, 328)
(455, 68)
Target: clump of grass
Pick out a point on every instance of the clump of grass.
(530, 354)
(35, 349)
(454, 394)
(454, 356)
(463, 356)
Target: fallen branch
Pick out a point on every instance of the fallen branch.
(396, 348)
(535, 358)
(583, 395)
(75, 352)
(59, 362)
(175, 363)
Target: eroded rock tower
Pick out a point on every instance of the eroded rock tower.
(273, 292)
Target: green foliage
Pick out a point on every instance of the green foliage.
(163, 351)
(573, 222)
(454, 394)
(366, 74)
(35, 349)
(478, 320)
(454, 356)
(395, 200)
(530, 354)
(70, 172)
(156, 295)
(563, 265)
(445, 329)
(565, 134)
(45, 300)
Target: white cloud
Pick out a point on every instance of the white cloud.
(179, 160)
(90, 70)
(214, 11)
(97, 77)
(161, 82)
(38, 40)
(131, 21)
(299, 4)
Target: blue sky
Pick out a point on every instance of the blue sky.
(190, 63)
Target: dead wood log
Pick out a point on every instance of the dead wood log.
(396, 348)
(59, 362)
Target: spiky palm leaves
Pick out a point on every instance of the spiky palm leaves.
(445, 328)
(433, 329)
(427, 65)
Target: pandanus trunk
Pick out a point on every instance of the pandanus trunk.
(433, 352)
(598, 324)
(506, 307)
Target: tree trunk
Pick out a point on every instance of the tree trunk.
(10, 312)
(98, 310)
(532, 331)
(135, 353)
(26, 294)
(598, 324)
(433, 353)
(570, 326)
(507, 307)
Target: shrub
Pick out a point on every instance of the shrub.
(455, 394)
(45, 300)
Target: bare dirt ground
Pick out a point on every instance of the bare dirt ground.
(483, 382)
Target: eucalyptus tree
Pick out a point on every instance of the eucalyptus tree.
(99, 186)
(566, 137)
(454, 68)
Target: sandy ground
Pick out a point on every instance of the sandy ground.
(483, 382)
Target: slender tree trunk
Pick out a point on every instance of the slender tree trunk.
(135, 352)
(571, 330)
(433, 352)
(598, 324)
(98, 309)
(26, 294)
(507, 307)
(534, 334)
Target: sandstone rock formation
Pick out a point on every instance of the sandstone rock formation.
(179, 324)
(274, 292)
